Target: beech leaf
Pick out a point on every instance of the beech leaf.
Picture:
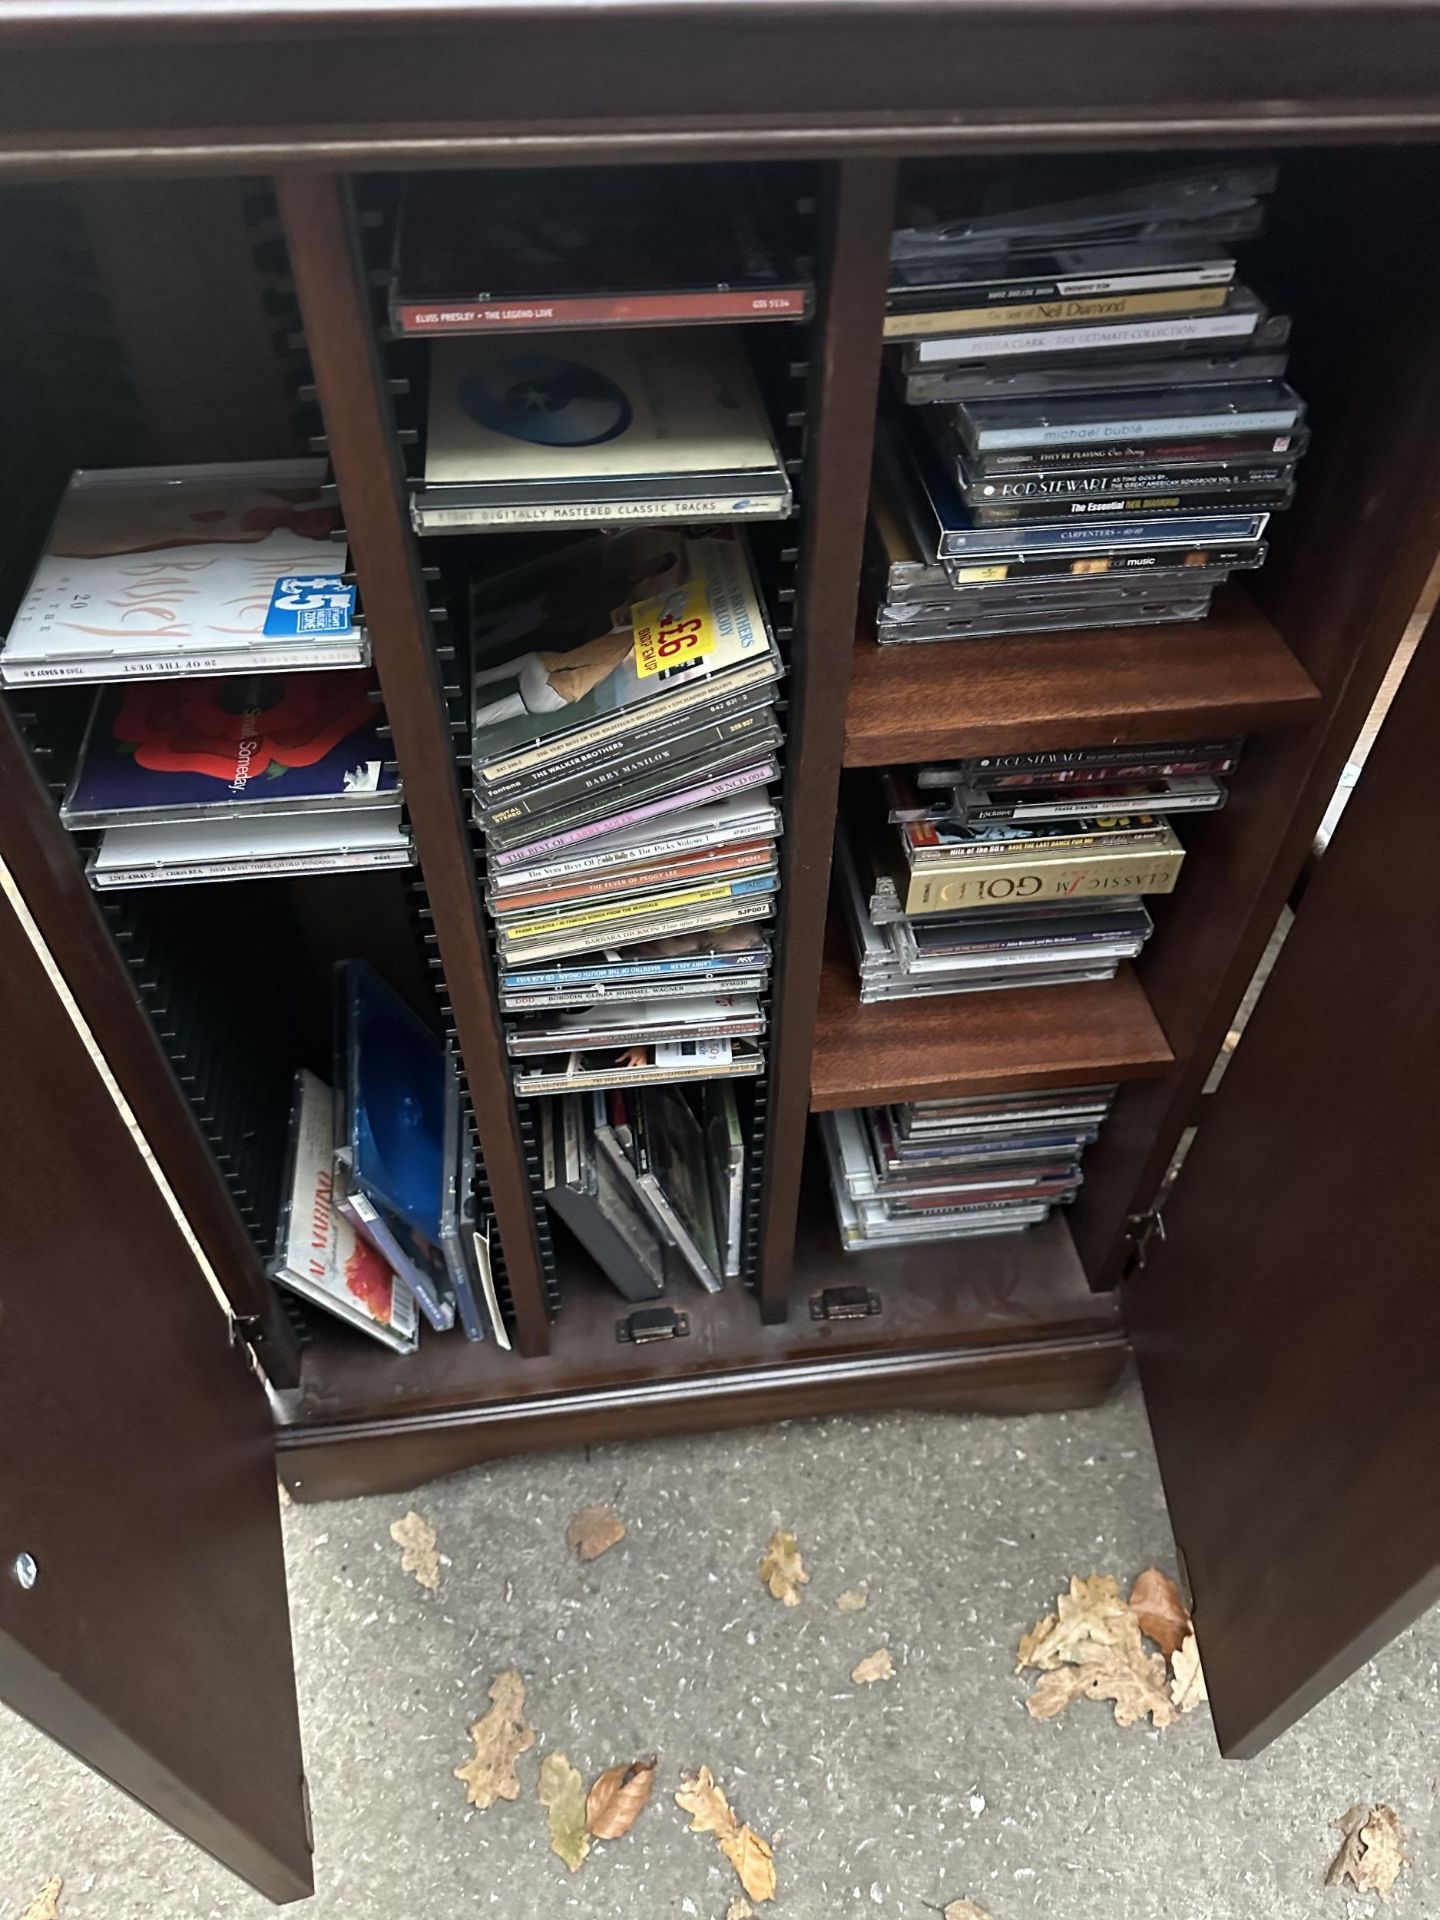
(501, 1735)
(875, 1666)
(710, 1812)
(965, 1910)
(1155, 1601)
(781, 1569)
(593, 1530)
(613, 1804)
(853, 1600)
(739, 1909)
(46, 1904)
(561, 1791)
(1372, 1851)
(1091, 1612)
(418, 1555)
(1187, 1678)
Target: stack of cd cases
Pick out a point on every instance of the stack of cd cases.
(378, 1225)
(233, 778)
(234, 732)
(1087, 423)
(957, 1169)
(650, 1182)
(624, 743)
(1015, 870)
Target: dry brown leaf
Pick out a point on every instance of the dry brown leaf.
(1091, 1612)
(593, 1530)
(705, 1802)
(875, 1666)
(501, 1735)
(739, 1909)
(46, 1904)
(613, 1804)
(418, 1555)
(1372, 1851)
(561, 1792)
(965, 1910)
(710, 1812)
(853, 1600)
(1187, 1677)
(287, 1499)
(1155, 1602)
(1137, 1684)
(782, 1570)
(752, 1859)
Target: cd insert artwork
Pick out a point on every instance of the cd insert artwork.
(547, 400)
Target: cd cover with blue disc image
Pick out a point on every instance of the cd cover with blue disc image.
(391, 1069)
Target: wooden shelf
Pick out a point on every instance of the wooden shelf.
(976, 1042)
(1002, 1325)
(1231, 673)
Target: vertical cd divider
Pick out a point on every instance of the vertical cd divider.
(854, 273)
(354, 401)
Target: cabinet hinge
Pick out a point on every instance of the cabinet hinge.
(247, 1334)
(1143, 1230)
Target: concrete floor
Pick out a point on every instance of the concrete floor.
(889, 1800)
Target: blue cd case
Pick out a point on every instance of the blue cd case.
(390, 1134)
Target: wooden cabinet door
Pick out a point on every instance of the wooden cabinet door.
(1288, 1331)
(143, 1618)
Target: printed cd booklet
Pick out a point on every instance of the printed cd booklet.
(185, 571)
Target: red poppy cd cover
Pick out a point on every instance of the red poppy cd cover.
(174, 751)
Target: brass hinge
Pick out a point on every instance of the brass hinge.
(1143, 1230)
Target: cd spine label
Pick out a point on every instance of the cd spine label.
(700, 506)
(1018, 881)
(1056, 313)
(613, 310)
(1237, 326)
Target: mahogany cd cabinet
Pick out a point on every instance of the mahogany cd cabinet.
(189, 203)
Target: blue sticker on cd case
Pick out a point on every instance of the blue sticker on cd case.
(304, 603)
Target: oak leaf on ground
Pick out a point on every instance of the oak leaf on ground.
(782, 1570)
(965, 1910)
(1135, 1682)
(1372, 1851)
(853, 1600)
(875, 1666)
(593, 1531)
(710, 1812)
(1187, 1677)
(561, 1792)
(615, 1801)
(46, 1904)
(1163, 1615)
(501, 1735)
(1092, 1612)
(415, 1538)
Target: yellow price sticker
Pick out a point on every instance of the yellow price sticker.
(967, 574)
(672, 629)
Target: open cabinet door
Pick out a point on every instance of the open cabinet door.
(1288, 1331)
(143, 1618)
